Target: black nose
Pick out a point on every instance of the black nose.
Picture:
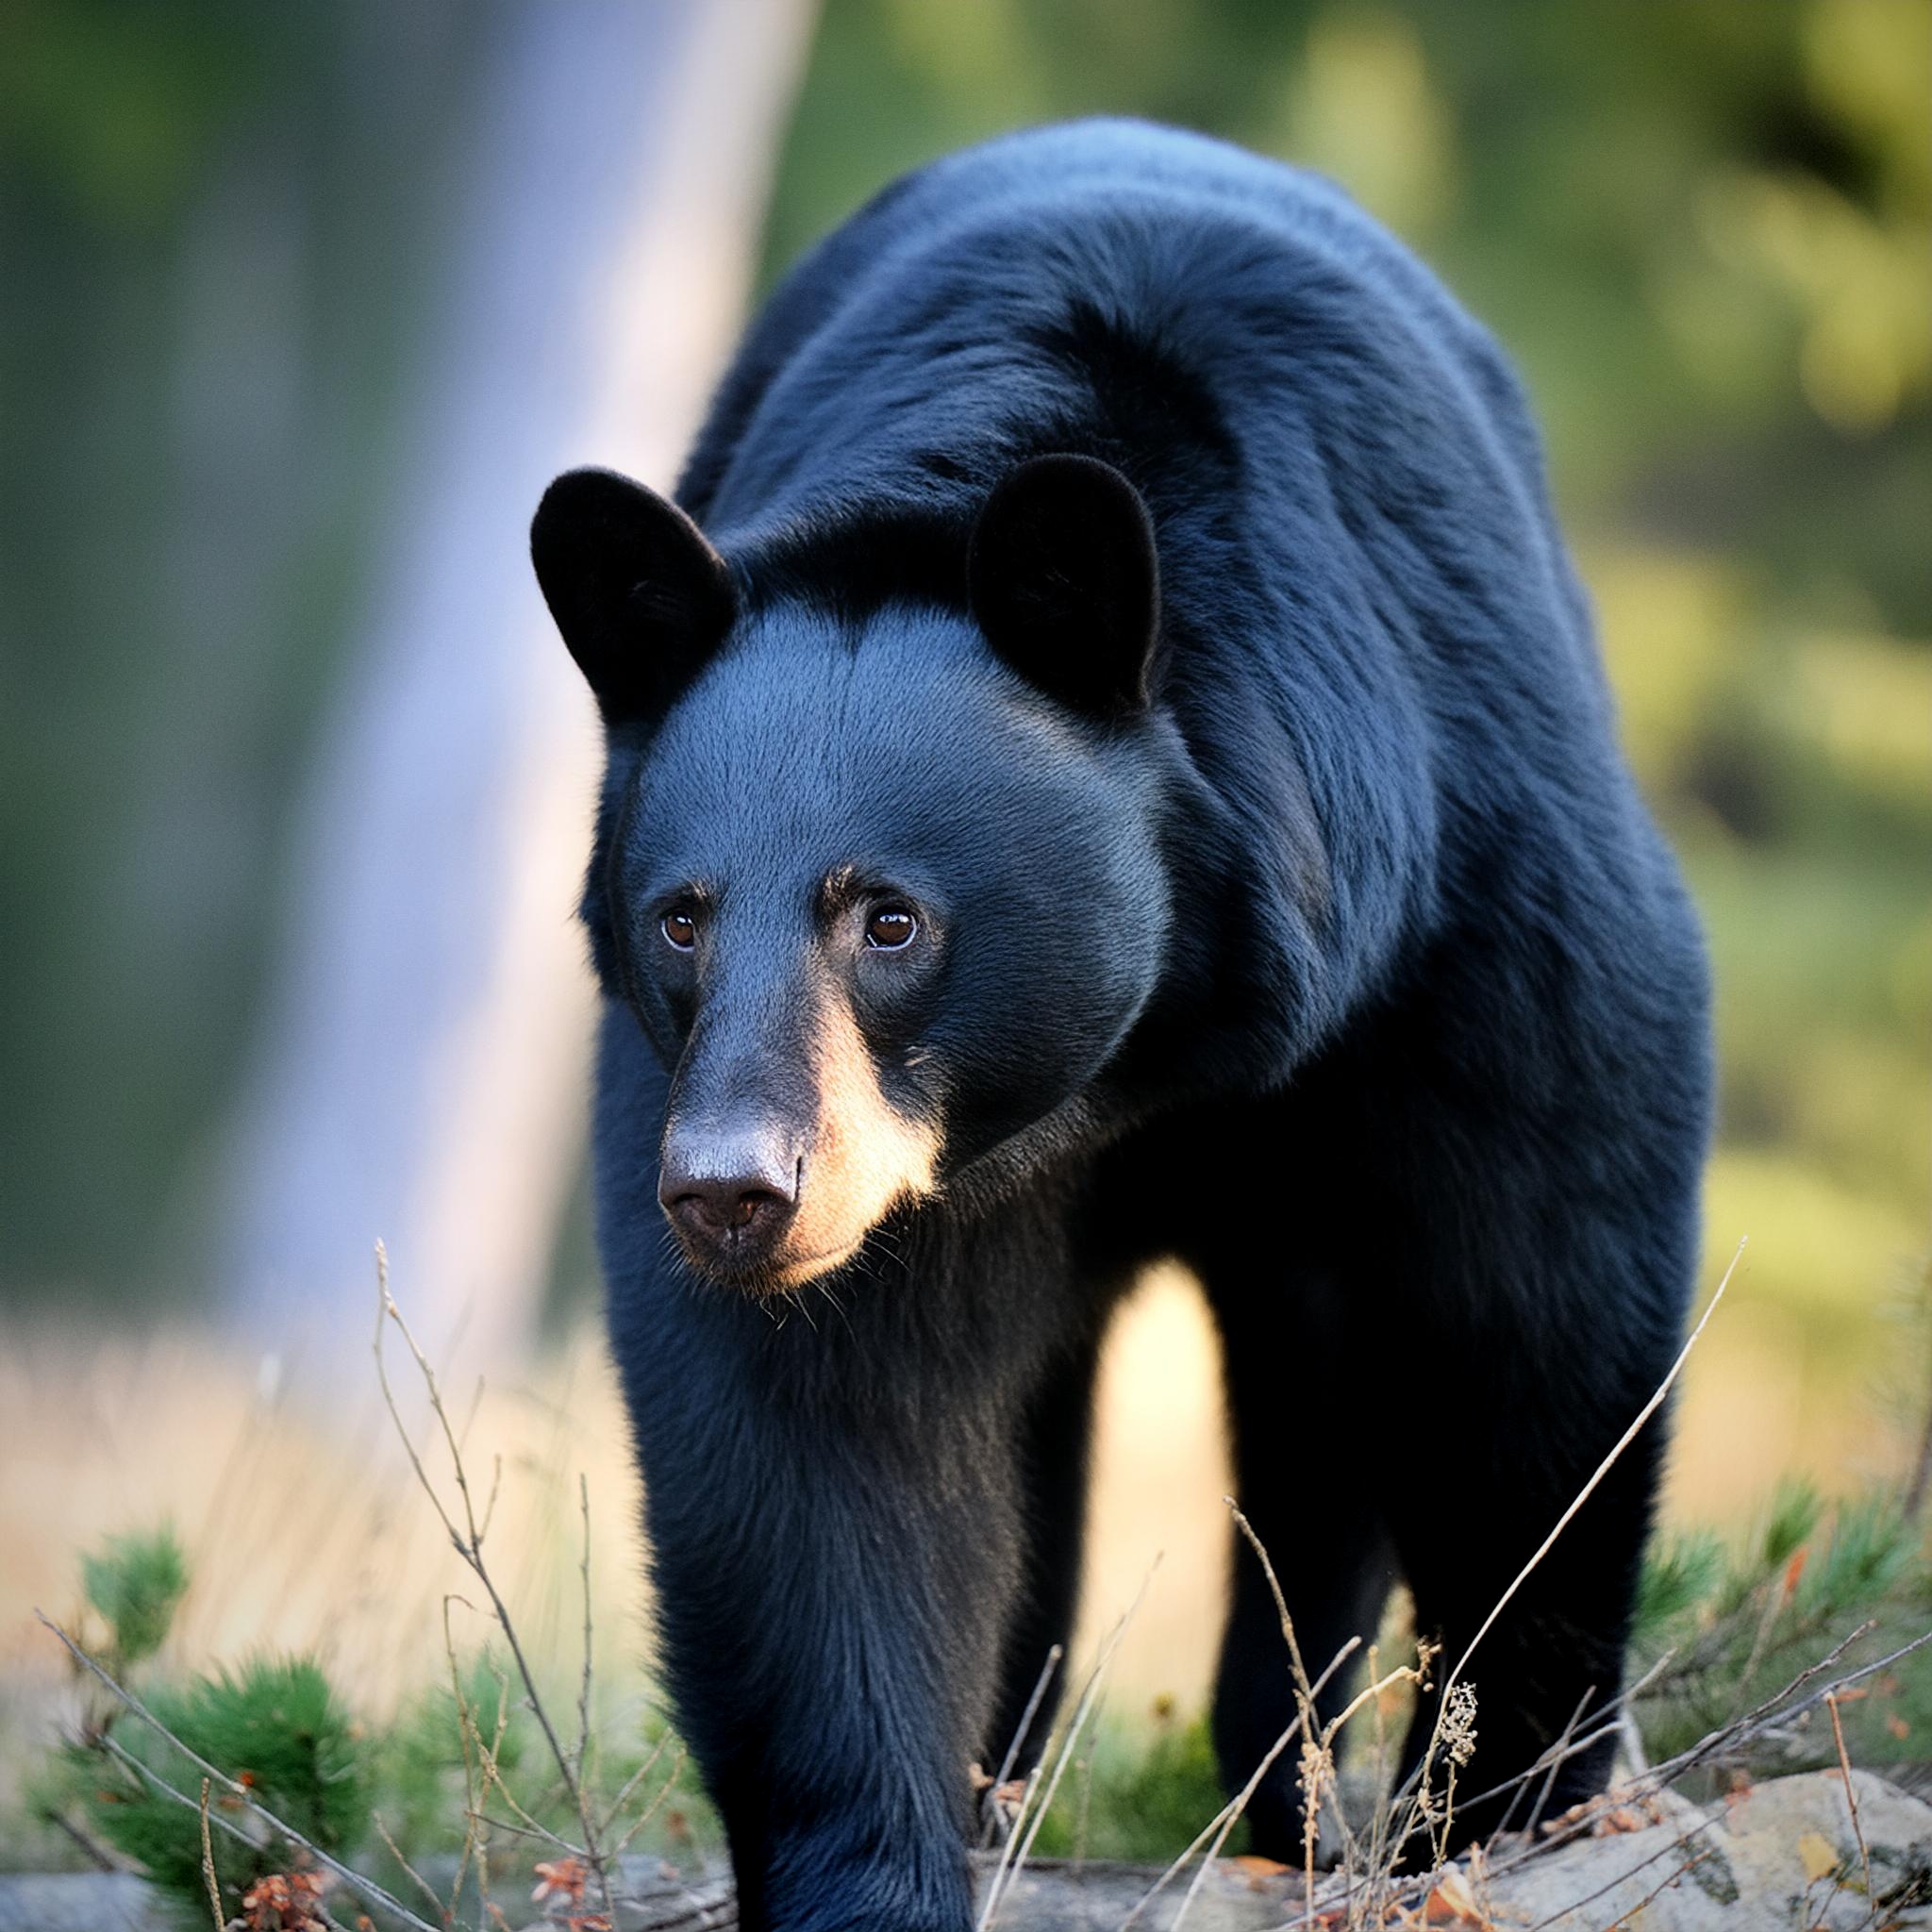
(729, 1194)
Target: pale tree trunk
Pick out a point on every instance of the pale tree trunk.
(422, 1075)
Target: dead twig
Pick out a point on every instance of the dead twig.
(467, 1540)
(1557, 1754)
(1013, 1862)
(1844, 1767)
(208, 1866)
(583, 1682)
(395, 1852)
(535, 1834)
(650, 1811)
(1418, 1781)
(633, 1781)
(1314, 1762)
(1920, 1478)
(1231, 1813)
(1228, 1812)
(96, 1854)
(1602, 1470)
(1775, 1708)
(1715, 1744)
(1019, 1737)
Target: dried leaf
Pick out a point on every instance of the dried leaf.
(1817, 1855)
(561, 1878)
(1452, 1903)
(283, 1902)
(1257, 1870)
(1620, 1819)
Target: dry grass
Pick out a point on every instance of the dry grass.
(301, 1539)
(299, 1535)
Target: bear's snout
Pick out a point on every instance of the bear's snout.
(729, 1194)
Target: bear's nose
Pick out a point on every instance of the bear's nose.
(728, 1194)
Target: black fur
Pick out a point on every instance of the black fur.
(641, 600)
(1318, 938)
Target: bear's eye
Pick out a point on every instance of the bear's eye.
(890, 929)
(681, 927)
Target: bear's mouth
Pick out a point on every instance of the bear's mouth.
(762, 1273)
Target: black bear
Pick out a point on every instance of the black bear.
(1107, 760)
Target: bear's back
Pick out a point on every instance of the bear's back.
(924, 308)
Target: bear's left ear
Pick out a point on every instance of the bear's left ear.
(641, 599)
(1063, 579)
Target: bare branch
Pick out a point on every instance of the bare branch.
(1006, 1771)
(1845, 1766)
(396, 1851)
(467, 1540)
(584, 1685)
(1603, 1468)
(1418, 1778)
(1005, 1878)
(1675, 1844)
(632, 1782)
(208, 1866)
(1229, 1812)
(650, 1811)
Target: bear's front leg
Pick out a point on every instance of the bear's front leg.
(832, 1557)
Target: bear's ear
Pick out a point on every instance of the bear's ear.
(642, 600)
(1063, 579)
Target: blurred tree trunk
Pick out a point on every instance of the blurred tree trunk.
(420, 1072)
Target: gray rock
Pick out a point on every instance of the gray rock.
(1784, 1853)
(82, 1902)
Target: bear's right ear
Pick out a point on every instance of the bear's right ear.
(642, 600)
(1062, 578)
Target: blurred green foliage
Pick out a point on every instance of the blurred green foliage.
(277, 1725)
(1724, 1624)
(1701, 230)
(135, 1583)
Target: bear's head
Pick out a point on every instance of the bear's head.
(884, 893)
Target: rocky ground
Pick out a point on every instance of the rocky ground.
(1790, 1853)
